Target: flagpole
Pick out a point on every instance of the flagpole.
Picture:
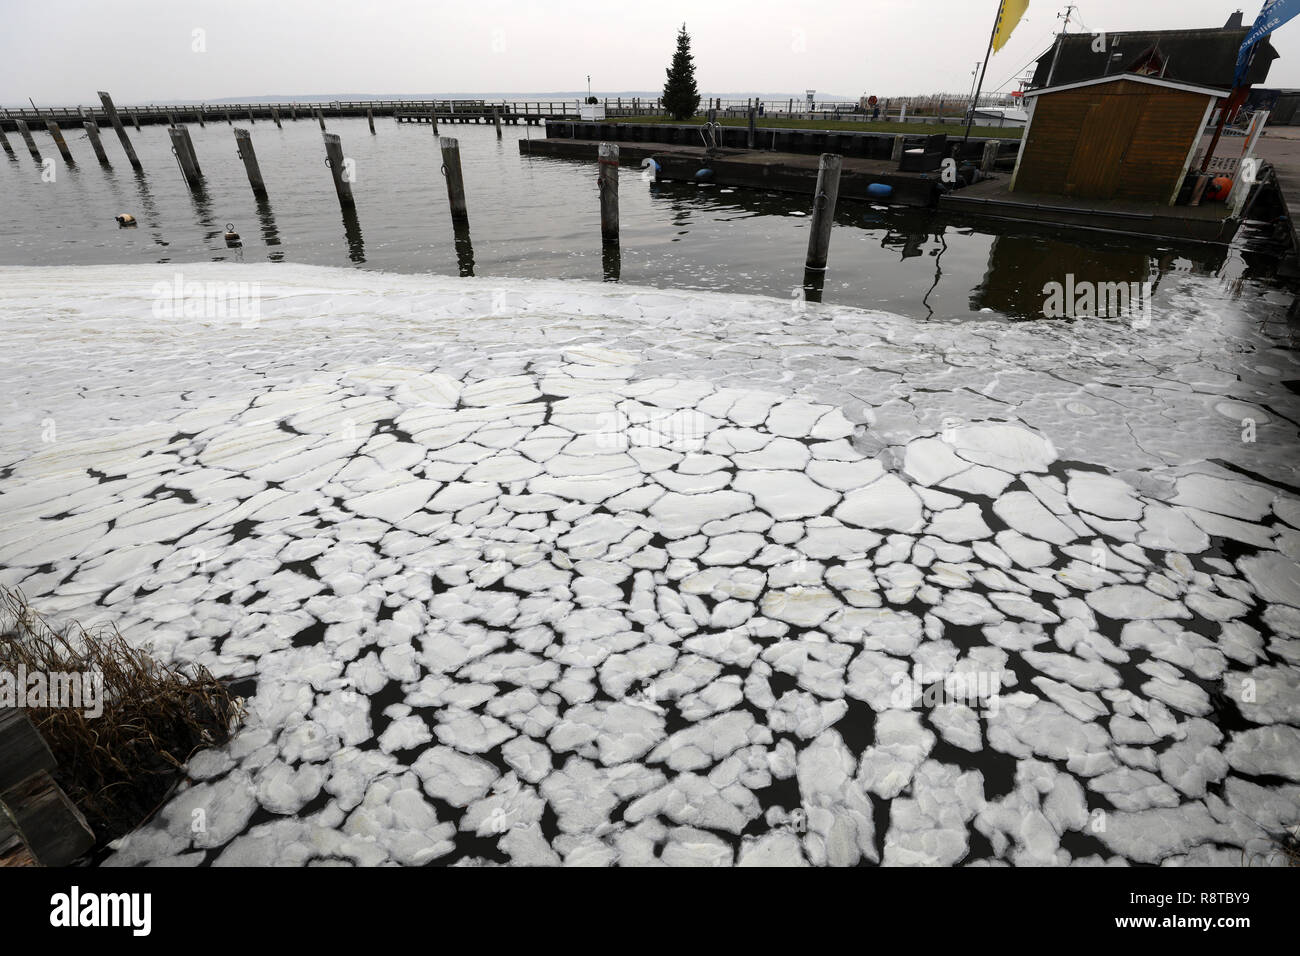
(1229, 105)
(979, 88)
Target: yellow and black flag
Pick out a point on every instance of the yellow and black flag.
(1009, 14)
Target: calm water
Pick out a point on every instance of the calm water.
(539, 217)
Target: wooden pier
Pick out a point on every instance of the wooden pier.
(993, 199)
(514, 112)
(1280, 152)
(851, 144)
(488, 116)
(755, 169)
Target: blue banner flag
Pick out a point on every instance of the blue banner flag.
(1273, 15)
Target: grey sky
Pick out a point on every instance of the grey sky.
(62, 51)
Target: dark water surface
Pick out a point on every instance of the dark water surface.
(539, 217)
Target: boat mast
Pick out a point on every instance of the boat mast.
(1069, 10)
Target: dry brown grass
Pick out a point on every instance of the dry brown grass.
(117, 768)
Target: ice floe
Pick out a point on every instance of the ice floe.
(586, 584)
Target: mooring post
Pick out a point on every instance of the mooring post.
(171, 118)
(455, 181)
(990, 157)
(184, 149)
(496, 116)
(370, 118)
(92, 133)
(229, 121)
(293, 113)
(828, 190)
(320, 115)
(26, 134)
(334, 160)
(251, 121)
(607, 182)
(244, 142)
(275, 115)
(433, 118)
(4, 141)
(60, 142)
(753, 125)
(111, 111)
(198, 115)
(135, 120)
(897, 154)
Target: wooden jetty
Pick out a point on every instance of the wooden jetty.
(993, 199)
(755, 169)
(514, 112)
(1280, 177)
(39, 825)
(811, 142)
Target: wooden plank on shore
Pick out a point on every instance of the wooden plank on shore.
(23, 752)
(52, 827)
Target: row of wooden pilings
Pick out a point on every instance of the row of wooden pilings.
(91, 126)
(188, 161)
(823, 214)
(819, 237)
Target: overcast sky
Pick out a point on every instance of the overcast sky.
(62, 51)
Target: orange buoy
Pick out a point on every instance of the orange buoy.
(1219, 188)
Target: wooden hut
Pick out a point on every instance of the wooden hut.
(1127, 137)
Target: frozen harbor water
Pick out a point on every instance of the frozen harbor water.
(539, 572)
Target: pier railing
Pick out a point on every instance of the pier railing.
(510, 109)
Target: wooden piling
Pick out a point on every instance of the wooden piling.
(111, 112)
(26, 134)
(293, 113)
(171, 118)
(320, 116)
(251, 121)
(496, 116)
(990, 157)
(607, 182)
(57, 135)
(275, 115)
(92, 133)
(4, 141)
(229, 121)
(828, 191)
(897, 153)
(198, 115)
(334, 159)
(244, 141)
(753, 126)
(184, 150)
(455, 181)
(370, 118)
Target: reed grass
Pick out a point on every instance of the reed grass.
(119, 767)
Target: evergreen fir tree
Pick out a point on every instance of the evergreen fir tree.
(681, 95)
